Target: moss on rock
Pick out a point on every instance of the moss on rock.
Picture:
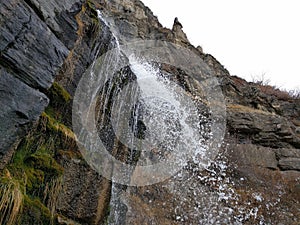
(35, 212)
(30, 175)
(58, 93)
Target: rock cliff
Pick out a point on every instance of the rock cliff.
(45, 48)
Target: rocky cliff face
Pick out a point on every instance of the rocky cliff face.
(45, 49)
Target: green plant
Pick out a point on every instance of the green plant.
(35, 212)
(30, 183)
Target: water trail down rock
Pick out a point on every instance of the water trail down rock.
(162, 122)
(170, 117)
(101, 18)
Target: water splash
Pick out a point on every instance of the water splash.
(170, 115)
(162, 122)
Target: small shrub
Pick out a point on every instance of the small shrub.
(264, 85)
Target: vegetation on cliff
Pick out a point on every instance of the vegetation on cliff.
(29, 183)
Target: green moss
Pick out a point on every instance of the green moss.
(16, 206)
(28, 176)
(35, 212)
(60, 103)
(46, 163)
(52, 112)
(20, 155)
(58, 93)
(55, 126)
(33, 169)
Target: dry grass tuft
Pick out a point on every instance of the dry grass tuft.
(264, 85)
(276, 92)
(51, 194)
(11, 199)
(245, 109)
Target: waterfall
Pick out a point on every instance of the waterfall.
(163, 120)
(139, 124)
(169, 117)
(150, 125)
(159, 118)
(101, 18)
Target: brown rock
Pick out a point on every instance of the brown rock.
(178, 32)
(289, 164)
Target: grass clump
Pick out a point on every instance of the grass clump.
(34, 163)
(11, 199)
(245, 109)
(45, 163)
(27, 184)
(56, 126)
(59, 94)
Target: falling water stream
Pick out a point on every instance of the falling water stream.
(162, 122)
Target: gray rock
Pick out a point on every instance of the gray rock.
(85, 194)
(178, 32)
(28, 46)
(30, 57)
(20, 106)
(287, 153)
(60, 17)
(261, 127)
(128, 30)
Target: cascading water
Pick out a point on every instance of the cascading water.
(171, 117)
(144, 118)
(163, 121)
(101, 18)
